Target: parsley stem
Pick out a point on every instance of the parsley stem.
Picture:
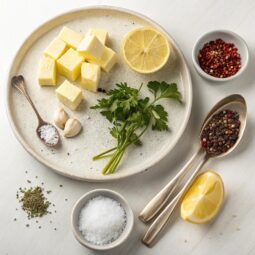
(117, 161)
(102, 155)
(142, 132)
(154, 101)
(133, 141)
(109, 163)
(112, 164)
(140, 87)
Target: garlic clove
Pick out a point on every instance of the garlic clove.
(60, 117)
(72, 127)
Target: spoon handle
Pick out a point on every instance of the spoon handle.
(160, 200)
(164, 216)
(18, 82)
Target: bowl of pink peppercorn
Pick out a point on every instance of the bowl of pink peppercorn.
(220, 55)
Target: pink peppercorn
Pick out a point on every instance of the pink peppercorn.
(219, 59)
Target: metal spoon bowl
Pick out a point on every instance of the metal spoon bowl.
(18, 82)
(233, 102)
(56, 138)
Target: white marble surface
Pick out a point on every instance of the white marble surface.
(231, 233)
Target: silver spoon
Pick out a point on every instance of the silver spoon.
(18, 82)
(234, 102)
(160, 200)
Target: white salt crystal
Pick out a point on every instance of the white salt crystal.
(102, 220)
(49, 134)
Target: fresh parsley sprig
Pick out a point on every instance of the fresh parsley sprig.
(132, 115)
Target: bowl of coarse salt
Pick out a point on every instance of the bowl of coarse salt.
(102, 220)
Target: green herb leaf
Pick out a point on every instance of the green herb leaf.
(164, 90)
(108, 115)
(131, 115)
(159, 118)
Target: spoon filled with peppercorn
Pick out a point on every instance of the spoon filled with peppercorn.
(220, 134)
(47, 133)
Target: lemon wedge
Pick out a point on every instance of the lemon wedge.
(204, 198)
(145, 49)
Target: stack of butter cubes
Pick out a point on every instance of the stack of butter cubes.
(72, 55)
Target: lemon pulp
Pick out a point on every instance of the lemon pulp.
(145, 50)
(204, 198)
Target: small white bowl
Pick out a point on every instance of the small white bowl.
(80, 204)
(229, 37)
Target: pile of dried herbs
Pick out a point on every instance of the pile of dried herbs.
(33, 201)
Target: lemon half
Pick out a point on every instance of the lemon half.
(203, 200)
(145, 49)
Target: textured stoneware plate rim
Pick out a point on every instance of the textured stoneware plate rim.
(100, 178)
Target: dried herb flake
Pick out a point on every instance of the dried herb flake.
(34, 202)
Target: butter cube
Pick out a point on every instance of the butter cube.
(56, 49)
(91, 48)
(90, 76)
(47, 72)
(108, 59)
(69, 95)
(71, 37)
(101, 34)
(69, 65)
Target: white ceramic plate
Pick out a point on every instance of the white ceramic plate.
(74, 157)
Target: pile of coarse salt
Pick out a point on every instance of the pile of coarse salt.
(102, 220)
(48, 133)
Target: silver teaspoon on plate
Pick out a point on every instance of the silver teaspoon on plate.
(233, 102)
(46, 132)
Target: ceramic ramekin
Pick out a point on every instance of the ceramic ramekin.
(227, 36)
(80, 204)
